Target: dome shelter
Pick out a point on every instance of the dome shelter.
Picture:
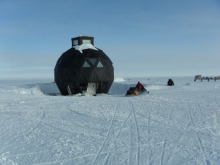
(84, 68)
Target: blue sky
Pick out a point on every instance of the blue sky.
(144, 38)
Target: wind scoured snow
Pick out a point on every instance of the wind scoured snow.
(84, 46)
(170, 125)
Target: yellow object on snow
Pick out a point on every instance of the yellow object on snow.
(136, 93)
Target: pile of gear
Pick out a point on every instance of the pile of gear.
(135, 91)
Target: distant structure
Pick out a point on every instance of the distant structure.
(200, 77)
(84, 68)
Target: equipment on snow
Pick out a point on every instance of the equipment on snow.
(135, 91)
(170, 82)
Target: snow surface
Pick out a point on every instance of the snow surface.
(176, 125)
(119, 79)
(84, 46)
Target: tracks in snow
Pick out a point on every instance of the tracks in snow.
(137, 133)
(36, 125)
(163, 151)
(206, 161)
(216, 120)
(106, 135)
(117, 128)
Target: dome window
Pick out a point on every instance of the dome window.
(100, 65)
(75, 42)
(92, 60)
(86, 65)
(86, 41)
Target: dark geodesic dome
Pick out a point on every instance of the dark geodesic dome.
(75, 70)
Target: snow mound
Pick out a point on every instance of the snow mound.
(119, 79)
(84, 46)
(35, 90)
(29, 91)
(32, 89)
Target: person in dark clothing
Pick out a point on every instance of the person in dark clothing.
(139, 86)
(170, 82)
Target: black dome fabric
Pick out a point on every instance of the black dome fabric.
(74, 70)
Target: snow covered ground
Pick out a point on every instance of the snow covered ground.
(176, 125)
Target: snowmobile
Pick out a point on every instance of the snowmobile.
(135, 91)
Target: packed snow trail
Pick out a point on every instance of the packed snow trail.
(168, 126)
